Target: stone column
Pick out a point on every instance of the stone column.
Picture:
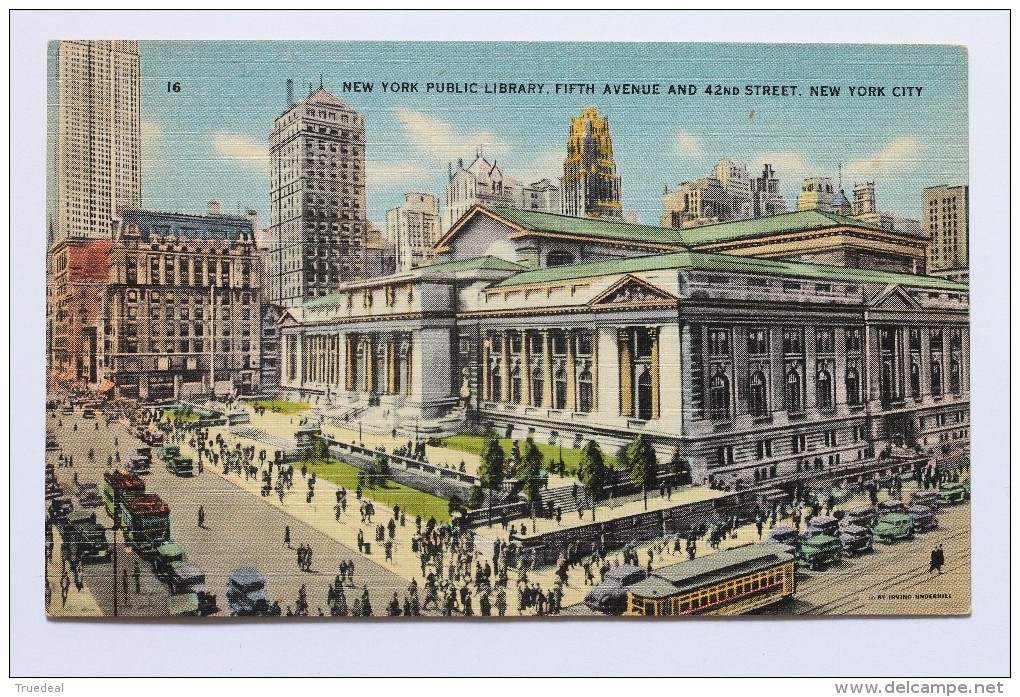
(301, 346)
(653, 335)
(369, 362)
(547, 371)
(571, 404)
(349, 372)
(595, 371)
(504, 368)
(391, 366)
(873, 363)
(626, 351)
(964, 361)
(486, 397)
(925, 362)
(526, 369)
(411, 388)
(810, 368)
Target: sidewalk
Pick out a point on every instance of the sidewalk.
(80, 603)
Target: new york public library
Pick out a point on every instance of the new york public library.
(764, 349)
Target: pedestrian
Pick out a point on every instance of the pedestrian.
(933, 564)
(389, 550)
(79, 576)
(125, 584)
(759, 524)
(940, 558)
(137, 574)
(65, 587)
(286, 534)
(201, 516)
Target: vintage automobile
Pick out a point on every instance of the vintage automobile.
(67, 411)
(89, 496)
(784, 535)
(930, 499)
(139, 461)
(51, 441)
(246, 592)
(894, 526)
(166, 558)
(822, 525)
(819, 552)
(855, 539)
(85, 538)
(88, 414)
(610, 596)
(186, 605)
(891, 506)
(954, 492)
(60, 507)
(189, 578)
(862, 516)
(923, 517)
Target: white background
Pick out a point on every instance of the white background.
(973, 646)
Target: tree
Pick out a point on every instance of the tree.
(591, 470)
(380, 470)
(679, 468)
(476, 497)
(529, 472)
(492, 468)
(642, 464)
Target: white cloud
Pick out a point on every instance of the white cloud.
(435, 139)
(242, 149)
(687, 144)
(789, 166)
(899, 155)
(406, 171)
(547, 164)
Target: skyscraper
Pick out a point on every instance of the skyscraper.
(946, 220)
(98, 134)
(317, 203)
(414, 228)
(590, 186)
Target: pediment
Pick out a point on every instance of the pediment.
(894, 298)
(287, 319)
(632, 290)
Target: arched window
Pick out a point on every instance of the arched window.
(915, 380)
(495, 384)
(823, 382)
(537, 386)
(758, 403)
(560, 389)
(793, 391)
(644, 395)
(954, 377)
(853, 387)
(559, 258)
(584, 392)
(936, 378)
(515, 385)
(719, 397)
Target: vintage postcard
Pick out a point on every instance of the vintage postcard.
(361, 329)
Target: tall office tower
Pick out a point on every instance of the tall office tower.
(765, 194)
(864, 198)
(318, 218)
(946, 220)
(481, 182)
(737, 183)
(98, 137)
(590, 186)
(823, 194)
(414, 228)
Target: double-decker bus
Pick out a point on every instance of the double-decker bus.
(733, 582)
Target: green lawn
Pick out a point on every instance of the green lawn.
(281, 406)
(469, 443)
(411, 500)
(182, 416)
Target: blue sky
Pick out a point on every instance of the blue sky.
(210, 140)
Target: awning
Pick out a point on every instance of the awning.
(106, 386)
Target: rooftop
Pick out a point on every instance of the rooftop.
(705, 261)
(588, 227)
(159, 224)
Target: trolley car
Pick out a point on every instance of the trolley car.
(733, 582)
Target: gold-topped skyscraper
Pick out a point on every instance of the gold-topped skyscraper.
(590, 187)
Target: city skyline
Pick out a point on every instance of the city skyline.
(658, 139)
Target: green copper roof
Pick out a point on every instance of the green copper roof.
(704, 261)
(486, 263)
(770, 225)
(590, 227)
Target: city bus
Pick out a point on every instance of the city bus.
(733, 582)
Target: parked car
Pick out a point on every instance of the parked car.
(855, 539)
(189, 578)
(819, 552)
(88, 414)
(246, 592)
(862, 516)
(894, 526)
(822, 525)
(954, 492)
(930, 499)
(89, 496)
(167, 557)
(67, 411)
(784, 535)
(610, 596)
(891, 506)
(923, 517)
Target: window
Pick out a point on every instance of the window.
(718, 342)
(853, 387)
(793, 392)
(584, 392)
(915, 380)
(724, 454)
(793, 341)
(515, 385)
(798, 443)
(854, 340)
(758, 342)
(758, 395)
(719, 397)
(825, 341)
(936, 378)
(823, 382)
(764, 448)
(858, 433)
(560, 389)
(954, 376)
(936, 340)
(830, 438)
(537, 385)
(915, 339)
